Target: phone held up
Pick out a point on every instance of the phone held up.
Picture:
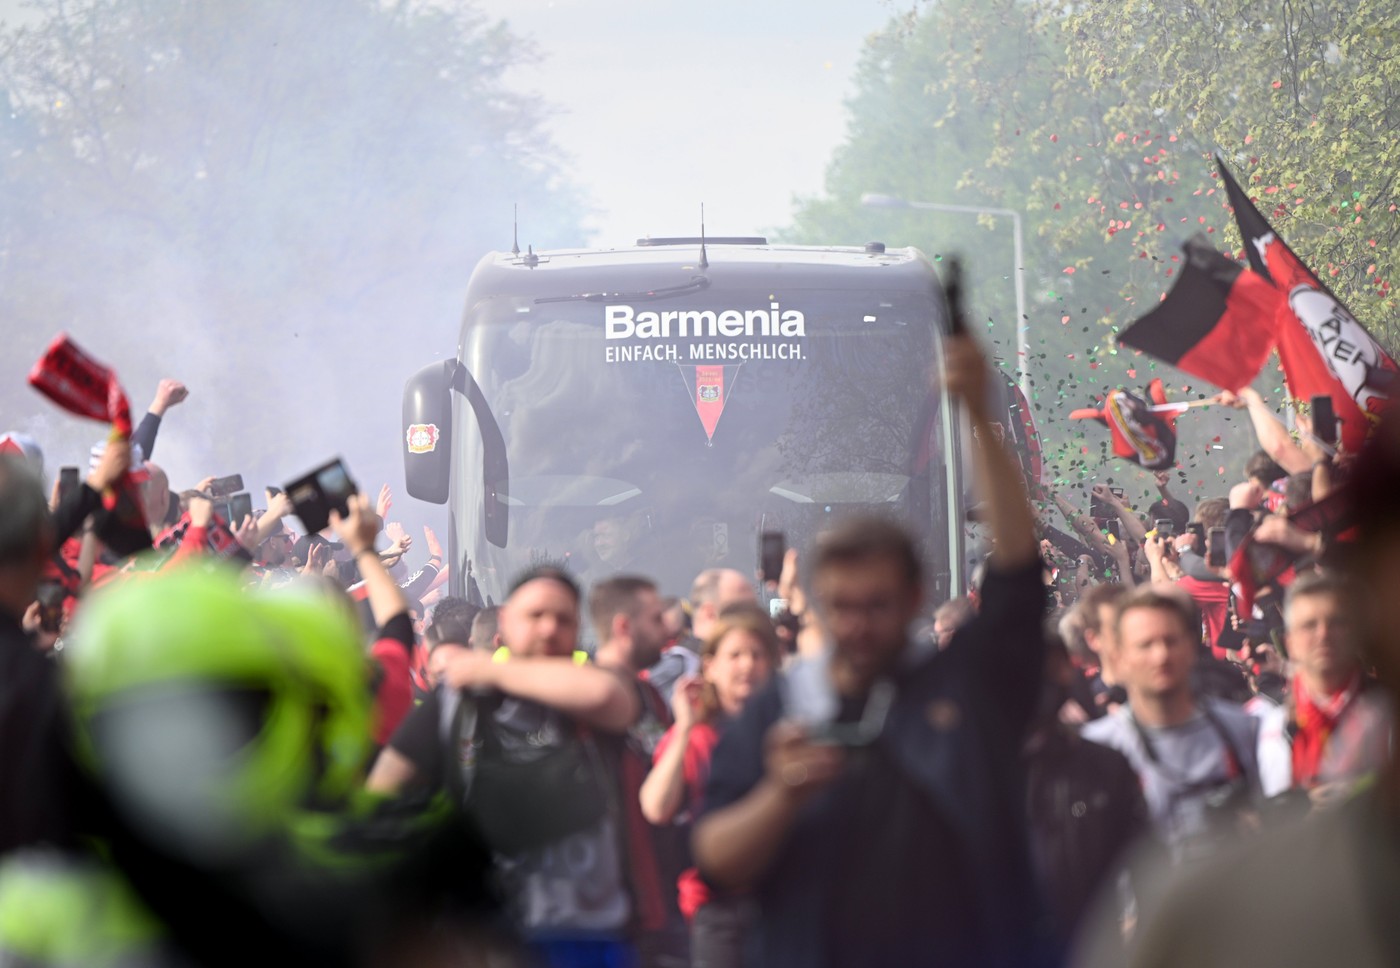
(314, 495)
(226, 486)
(1324, 421)
(771, 548)
(67, 481)
(1215, 548)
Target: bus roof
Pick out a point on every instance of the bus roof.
(641, 268)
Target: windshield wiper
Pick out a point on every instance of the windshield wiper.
(697, 284)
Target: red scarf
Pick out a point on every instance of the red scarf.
(1314, 724)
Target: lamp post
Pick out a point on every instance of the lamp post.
(1023, 345)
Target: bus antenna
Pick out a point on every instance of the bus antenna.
(704, 256)
(515, 229)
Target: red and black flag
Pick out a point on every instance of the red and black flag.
(84, 387)
(1143, 431)
(1217, 322)
(1323, 349)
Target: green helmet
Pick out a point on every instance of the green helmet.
(212, 716)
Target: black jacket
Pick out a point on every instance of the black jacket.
(1086, 808)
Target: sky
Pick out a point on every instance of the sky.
(665, 104)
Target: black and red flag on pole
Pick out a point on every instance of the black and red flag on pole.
(1142, 431)
(1323, 349)
(1217, 322)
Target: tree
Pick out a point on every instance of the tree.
(1098, 122)
(279, 202)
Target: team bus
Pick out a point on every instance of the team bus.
(654, 409)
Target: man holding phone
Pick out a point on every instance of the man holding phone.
(893, 834)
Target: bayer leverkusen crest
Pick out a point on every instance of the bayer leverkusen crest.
(422, 438)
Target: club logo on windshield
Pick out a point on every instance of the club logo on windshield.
(422, 438)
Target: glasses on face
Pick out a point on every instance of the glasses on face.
(846, 610)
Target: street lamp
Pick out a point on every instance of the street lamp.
(1023, 343)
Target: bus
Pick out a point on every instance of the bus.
(654, 409)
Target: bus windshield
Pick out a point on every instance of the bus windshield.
(661, 437)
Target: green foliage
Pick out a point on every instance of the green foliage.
(1098, 121)
(278, 202)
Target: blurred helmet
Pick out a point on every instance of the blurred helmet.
(211, 716)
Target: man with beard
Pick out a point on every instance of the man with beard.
(629, 620)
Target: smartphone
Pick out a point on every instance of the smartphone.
(272, 490)
(1111, 526)
(771, 548)
(67, 481)
(1324, 420)
(315, 494)
(1215, 548)
(240, 506)
(50, 596)
(1165, 527)
(1117, 492)
(953, 292)
(224, 486)
(1199, 530)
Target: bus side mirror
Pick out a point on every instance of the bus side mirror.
(427, 423)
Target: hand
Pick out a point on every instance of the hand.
(795, 764)
(1275, 529)
(205, 486)
(384, 503)
(1102, 492)
(1247, 494)
(790, 584)
(317, 556)
(398, 546)
(114, 462)
(687, 701)
(1164, 480)
(358, 528)
(169, 393)
(1119, 551)
(393, 530)
(965, 373)
(201, 512)
(1228, 398)
(470, 669)
(434, 546)
(1155, 547)
(33, 618)
(247, 533)
(1186, 542)
(279, 505)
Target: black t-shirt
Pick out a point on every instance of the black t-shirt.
(419, 740)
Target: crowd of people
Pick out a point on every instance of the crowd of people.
(222, 741)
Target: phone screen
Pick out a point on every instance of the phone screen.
(67, 481)
(240, 507)
(1215, 548)
(771, 548)
(1324, 420)
(224, 486)
(316, 494)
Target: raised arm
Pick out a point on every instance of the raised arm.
(358, 530)
(594, 696)
(999, 475)
(663, 791)
(1269, 429)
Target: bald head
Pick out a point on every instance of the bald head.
(714, 590)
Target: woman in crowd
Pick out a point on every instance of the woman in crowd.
(737, 660)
